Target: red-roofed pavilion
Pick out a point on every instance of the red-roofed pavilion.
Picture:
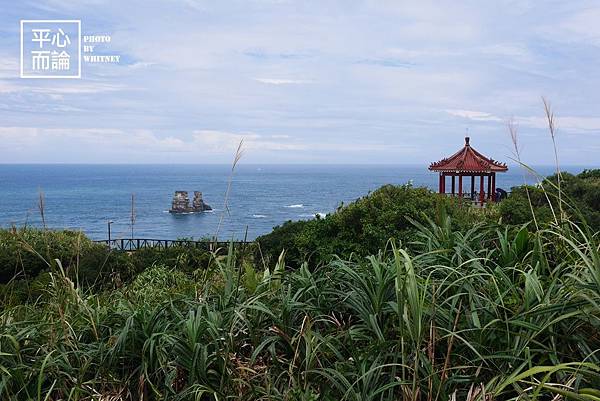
(468, 162)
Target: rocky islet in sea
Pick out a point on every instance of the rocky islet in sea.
(181, 203)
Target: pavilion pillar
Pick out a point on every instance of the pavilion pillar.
(460, 191)
(493, 187)
(471, 194)
(453, 180)
(489, 194)
(440, 186)
(481, 192)
(443, 183)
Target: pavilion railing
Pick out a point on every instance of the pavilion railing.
(472, 197)
(135, 244)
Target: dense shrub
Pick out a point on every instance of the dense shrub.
(182, 258)
(25, 253)
(158, 284)
(363, 227)
(28, 255)
(580, 193)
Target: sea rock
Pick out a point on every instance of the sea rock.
(181, 203)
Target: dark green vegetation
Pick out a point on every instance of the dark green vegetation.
(459, 306)
(28, 256)
(365, 226)
(581, 194)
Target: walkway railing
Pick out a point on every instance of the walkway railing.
(134, 244)
(474, 198)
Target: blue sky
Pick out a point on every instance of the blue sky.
(308, 82)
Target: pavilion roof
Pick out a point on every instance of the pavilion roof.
(468, 159)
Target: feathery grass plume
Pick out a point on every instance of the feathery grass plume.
(42, 207)
(238, 155)
(513, 131)
(552, 130)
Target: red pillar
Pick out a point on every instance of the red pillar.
(472, 187)
(441, 191)
(453, 180)
(460, 186)
(481, 192)
(493, 187)
(443, 183)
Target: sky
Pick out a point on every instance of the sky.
(308, 82)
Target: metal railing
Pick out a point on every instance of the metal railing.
(472, 197)
(135, 244)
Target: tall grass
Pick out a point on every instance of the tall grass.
(236, 159)
(492, 313)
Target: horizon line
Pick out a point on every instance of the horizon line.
(261, 164)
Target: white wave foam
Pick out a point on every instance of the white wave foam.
(321, 214)
(299, 205)
(259, 216)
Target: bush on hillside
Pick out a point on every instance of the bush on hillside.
(27, 255)
(580, 195)
(365, 226)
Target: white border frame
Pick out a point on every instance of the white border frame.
(78, 21)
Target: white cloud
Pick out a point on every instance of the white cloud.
(474, 115)
(97, 144)
(106, 140)
(56, 91)
(9, 87)
(226, 142)
(96, 139)
(508, 51)
(279, 81)
(582, 25)
(567, 123)
(80, 88)
(240, 65)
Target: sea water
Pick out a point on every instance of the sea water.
(86, 197)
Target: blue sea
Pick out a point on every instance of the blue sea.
(86, 197)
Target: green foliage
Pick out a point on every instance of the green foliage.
(27, 256)
(581, 194)
(157, 285)
(182, 258)
(363, 227)
(457, 307)
(27, 252)
(473, 313)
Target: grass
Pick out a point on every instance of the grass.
(490, 313)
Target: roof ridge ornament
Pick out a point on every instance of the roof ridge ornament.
(467, 141)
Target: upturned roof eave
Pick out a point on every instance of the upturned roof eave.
(452, 163)
(460, 170)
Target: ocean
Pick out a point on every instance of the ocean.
(86, 197)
